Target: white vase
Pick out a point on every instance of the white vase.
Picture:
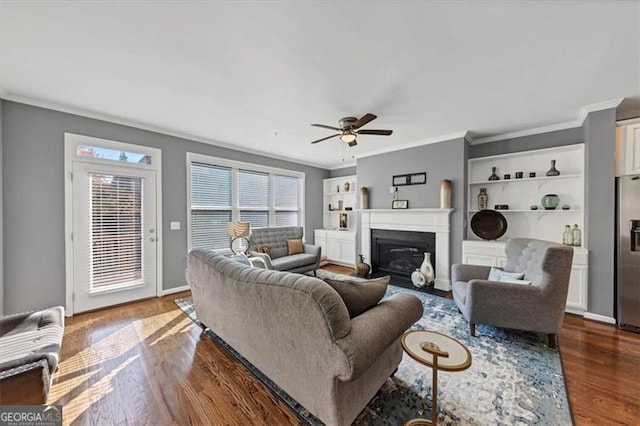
(418, 279)
(426, 269)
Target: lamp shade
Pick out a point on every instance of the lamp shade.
(238, 229)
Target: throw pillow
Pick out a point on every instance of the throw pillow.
(362, 295)
(294, 247)
(264, 249)
(497, 274)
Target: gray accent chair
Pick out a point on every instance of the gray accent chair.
(276, 239)
(538, 307)
(29, 352)
(296, 330)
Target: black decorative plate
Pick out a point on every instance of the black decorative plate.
(489, 224)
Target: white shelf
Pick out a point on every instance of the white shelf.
(541, 178)
(341, 193)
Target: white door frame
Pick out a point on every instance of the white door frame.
(71, 142)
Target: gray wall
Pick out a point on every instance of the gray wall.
(344, 171)
(528, 143)
(599, 138)
(444, 160)
(33, 165)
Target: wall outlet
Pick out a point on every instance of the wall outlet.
(393, 189)
(175, 226)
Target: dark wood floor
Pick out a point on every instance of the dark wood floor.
(146, 363)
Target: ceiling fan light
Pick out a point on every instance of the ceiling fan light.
(348, 137)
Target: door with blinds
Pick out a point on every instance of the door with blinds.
(114, 234)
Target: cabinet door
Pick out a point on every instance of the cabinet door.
(348, 252)
(632, 150)
(479, 259)
(577, 294)
(333, 249)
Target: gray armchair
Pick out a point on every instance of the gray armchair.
(537, 307)
(280, 260)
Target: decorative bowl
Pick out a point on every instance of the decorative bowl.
(550, 201)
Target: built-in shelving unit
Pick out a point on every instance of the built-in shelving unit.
(340, 220)
(521, 194)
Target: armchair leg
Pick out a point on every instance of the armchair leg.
(472, 329)
(314, 273)
(551, 338)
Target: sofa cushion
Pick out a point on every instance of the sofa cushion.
(295, 247)
(361, 295)
(294, 261)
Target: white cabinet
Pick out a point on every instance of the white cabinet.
(338, 246)
(491, 253)
(628, 148)
(520, 194)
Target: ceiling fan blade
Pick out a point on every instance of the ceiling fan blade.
(328, 137)
(324, 126)
(375, 132)
(354, 143)
(364, 120)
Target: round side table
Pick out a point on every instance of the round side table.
(440, 352)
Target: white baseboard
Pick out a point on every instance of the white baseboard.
(598, 317)
(175, 290)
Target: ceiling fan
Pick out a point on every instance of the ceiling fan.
(349, 129)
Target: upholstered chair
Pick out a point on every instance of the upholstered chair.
(538, 306)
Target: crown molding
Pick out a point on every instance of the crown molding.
(342, 165)
(148, 127)
(578, 122)
(443, 138)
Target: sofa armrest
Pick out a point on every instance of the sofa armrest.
(375, 330)
(493, 296)
(460, 272)
(265, 258)
(314, 250)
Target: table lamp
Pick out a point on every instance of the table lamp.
(239, 231)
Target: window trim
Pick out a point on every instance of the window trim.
(192, 157)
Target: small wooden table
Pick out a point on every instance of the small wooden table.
(440, 352)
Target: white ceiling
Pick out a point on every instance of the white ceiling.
(255, 74)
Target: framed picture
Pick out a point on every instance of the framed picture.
(400, 204)
(344, 224)
(409, 179)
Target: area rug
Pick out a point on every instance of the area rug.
(514, 379)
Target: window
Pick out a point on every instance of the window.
(221, 191)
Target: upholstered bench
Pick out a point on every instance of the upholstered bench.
(29, 353)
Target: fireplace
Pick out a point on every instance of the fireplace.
(399, 253)
(419, 220)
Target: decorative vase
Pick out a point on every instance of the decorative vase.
(445, 194)
(347, 186)
(426, 268)
(494, 175)
(483, 199)
(550, 201)
(364, 198)
(362, 268)
(418, 279)
(553, 171)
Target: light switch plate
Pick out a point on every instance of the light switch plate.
(175, 226)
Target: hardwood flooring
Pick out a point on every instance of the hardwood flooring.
(146, 363)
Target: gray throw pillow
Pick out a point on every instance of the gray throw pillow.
(361, 295)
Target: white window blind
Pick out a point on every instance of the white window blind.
(223, 191)
(116, 230)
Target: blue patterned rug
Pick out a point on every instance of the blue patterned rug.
(515, 379)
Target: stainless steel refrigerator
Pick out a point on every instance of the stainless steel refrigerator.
(628, 252)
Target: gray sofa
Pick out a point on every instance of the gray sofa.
(29, 352)
(536, 307)
(296, 330)
(276, 239)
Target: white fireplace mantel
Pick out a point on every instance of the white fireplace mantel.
(420, 220)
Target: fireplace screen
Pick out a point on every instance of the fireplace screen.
(399, 253)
